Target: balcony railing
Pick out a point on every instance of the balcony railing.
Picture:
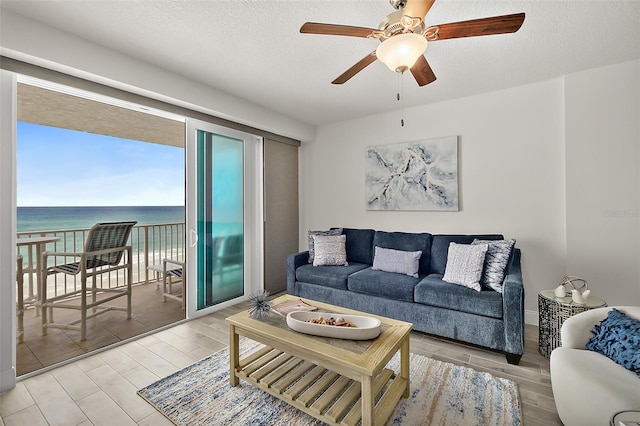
(150, 245)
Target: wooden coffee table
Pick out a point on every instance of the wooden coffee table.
(334, 380)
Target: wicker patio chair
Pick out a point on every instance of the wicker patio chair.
(104, 253)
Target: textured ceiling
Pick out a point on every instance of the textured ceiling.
(253, 49)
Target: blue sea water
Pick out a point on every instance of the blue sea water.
(31, 219)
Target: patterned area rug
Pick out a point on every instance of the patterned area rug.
(441, 394)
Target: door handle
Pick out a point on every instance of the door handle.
(193, 238)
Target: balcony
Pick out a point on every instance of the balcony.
(150, 245)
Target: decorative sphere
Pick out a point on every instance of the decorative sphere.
(259, 305)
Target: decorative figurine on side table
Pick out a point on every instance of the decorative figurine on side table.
(578, 293)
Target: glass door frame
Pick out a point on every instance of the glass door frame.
(253, 214)
(8, 119)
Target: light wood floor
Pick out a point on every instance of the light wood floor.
(101, 389)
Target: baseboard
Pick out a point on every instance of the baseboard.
(531, 317)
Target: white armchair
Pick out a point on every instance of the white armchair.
(588, 387)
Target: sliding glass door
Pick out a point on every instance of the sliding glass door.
(223, 216)
(220, 218)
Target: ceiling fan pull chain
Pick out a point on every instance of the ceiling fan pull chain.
(402, 98)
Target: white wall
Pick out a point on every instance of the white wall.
(513, 175)
(602, 122)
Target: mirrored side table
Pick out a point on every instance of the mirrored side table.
(553, 311)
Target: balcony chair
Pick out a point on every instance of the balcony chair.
(172, 269)
(104, 253)
(229, 255)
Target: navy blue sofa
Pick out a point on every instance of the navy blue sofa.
(486, 318)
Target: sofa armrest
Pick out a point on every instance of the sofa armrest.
(294, 261)
(576, 330)
(513, 307)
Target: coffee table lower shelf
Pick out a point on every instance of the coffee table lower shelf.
(319, 392)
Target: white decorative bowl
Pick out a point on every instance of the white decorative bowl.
(366, 327)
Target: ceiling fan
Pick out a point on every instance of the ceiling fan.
(404, 37)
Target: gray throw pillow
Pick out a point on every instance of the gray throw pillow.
(397, 261)
(330, 250)
(337, 231)
(496, 262)
(464, 264)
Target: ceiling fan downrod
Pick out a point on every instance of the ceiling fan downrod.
(398, 4)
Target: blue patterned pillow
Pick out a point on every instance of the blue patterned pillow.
(496, 262)
(618, 337)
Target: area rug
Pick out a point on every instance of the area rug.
(441, 394)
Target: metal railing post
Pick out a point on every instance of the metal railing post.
(146, 254)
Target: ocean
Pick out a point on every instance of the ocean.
(156, 240)
(30, 219)
(54, 220)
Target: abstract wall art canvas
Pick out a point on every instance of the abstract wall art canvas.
(420, 175)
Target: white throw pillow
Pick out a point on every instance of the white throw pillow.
(330, 250)
(397, 261)
(464, 264)
(335, 231)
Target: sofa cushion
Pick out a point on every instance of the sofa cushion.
(383, 284)
(329, 276)
(440, 248)
(359, 245)
(496, 262)
(406, 241)
(397, 261)
(435, 292)
(618, 338)
(311, 234)
(330, 250)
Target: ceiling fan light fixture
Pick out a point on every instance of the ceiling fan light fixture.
(401, 51)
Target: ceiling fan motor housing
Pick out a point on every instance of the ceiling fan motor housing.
(396, 23)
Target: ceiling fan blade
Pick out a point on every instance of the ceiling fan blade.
(479, 27)
(417, 8)
(422, 72)
(333, 29)
(359, 66)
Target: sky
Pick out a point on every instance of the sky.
(60, 167)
